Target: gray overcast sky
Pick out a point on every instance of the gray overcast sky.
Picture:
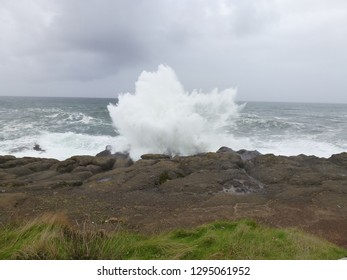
(271, 50)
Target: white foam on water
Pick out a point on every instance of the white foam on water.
(161, 117)
(295, 146)
(56, 145)
(87, 119)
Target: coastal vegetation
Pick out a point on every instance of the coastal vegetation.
(53, 237)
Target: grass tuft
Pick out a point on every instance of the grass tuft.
(52, 237)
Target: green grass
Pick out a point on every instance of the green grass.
(51, 237)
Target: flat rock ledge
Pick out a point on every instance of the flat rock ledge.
(159, 192)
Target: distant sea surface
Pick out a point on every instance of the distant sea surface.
(64, 127)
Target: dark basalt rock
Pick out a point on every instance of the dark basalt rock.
(68, 165)
(225, 150)
(339, 159)
(105, 153)
(38, 148)
(64, 166)
(16, 162)
(155, 156)
(159, 193)
(4, 159)
(248, 155)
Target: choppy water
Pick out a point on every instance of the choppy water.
(62, 126)
(161, 117)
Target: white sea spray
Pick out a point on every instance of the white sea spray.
(161, 117)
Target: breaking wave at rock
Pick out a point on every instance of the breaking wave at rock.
(162, 117)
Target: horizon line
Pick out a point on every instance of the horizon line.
(104, 97)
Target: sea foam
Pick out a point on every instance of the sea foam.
(55, 145)
(162, 117)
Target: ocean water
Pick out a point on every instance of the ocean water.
(161, 117)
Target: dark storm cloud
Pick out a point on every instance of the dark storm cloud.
(287, 50)
(95, 39)
(103, 27)
(107, 36)
(92, 39)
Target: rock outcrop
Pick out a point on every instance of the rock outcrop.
(106, 152)
(158, 192)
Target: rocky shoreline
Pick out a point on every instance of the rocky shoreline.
(158, 193)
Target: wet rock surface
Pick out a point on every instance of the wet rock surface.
(158, 192)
